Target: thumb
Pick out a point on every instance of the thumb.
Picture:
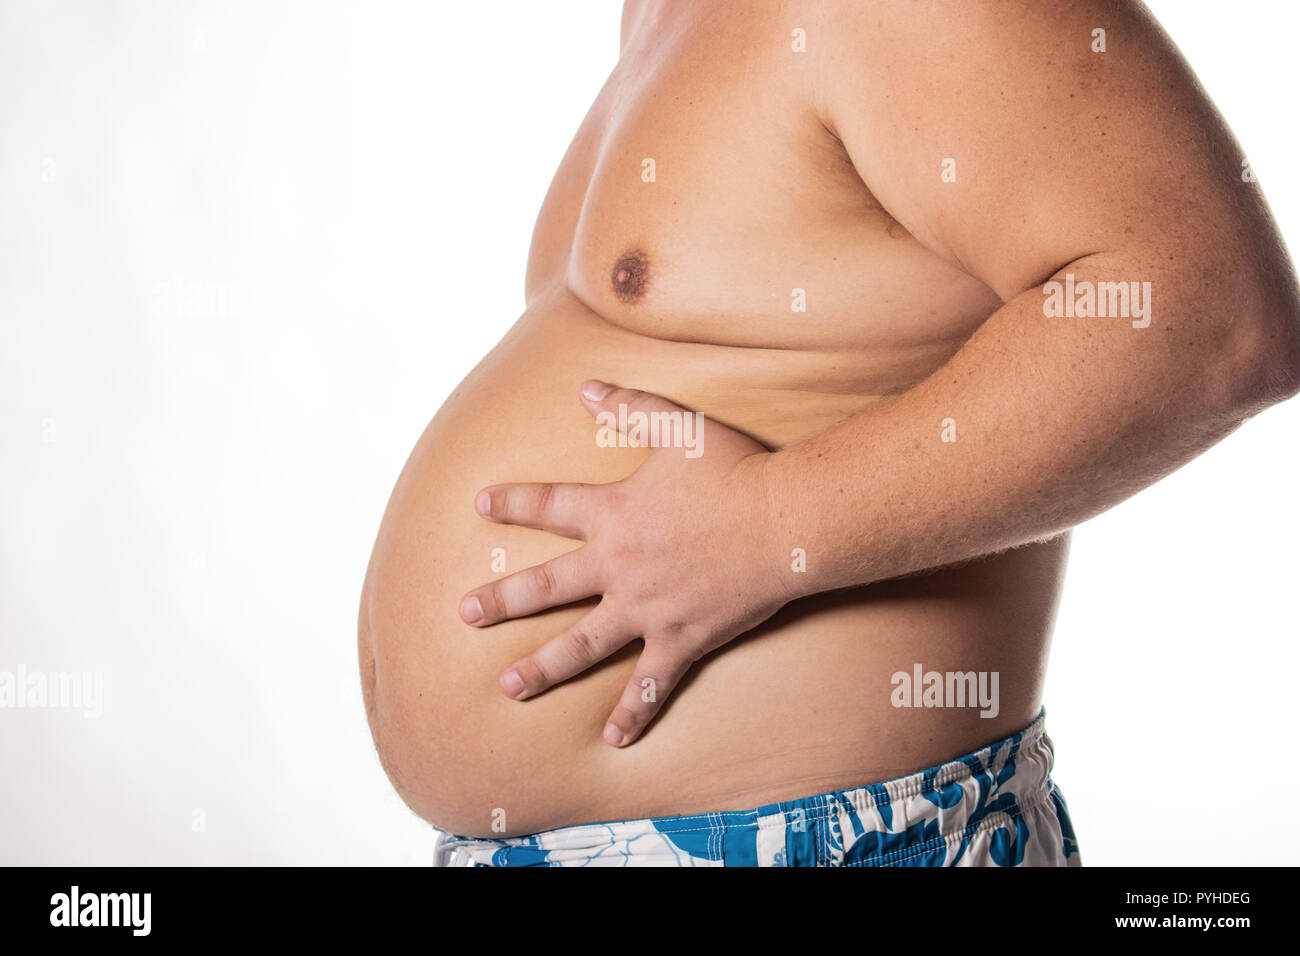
(647, 419)
(601, 396)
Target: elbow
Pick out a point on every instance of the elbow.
(1261, 366)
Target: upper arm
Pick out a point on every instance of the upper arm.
(1058, 151)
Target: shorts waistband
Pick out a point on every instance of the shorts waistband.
(1014, 770)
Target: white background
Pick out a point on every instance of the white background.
(247, 249)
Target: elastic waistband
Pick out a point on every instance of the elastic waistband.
(1015, 769)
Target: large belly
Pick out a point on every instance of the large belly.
(803, 704)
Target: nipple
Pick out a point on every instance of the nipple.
(629, 276)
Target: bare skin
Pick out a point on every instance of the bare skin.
(777, 170)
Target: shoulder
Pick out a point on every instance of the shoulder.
(1013, 136)
(632, 11)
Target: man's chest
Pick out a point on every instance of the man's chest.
(703, 200)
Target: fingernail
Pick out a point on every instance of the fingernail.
(471, 610)
(613, 736)
(594, 391)
(483, 503)
(512, 683)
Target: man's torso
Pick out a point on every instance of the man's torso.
(705, 238)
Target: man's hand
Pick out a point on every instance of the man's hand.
(679, 552)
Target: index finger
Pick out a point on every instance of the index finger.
(564, 509)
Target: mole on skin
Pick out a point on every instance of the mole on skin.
(629, 276)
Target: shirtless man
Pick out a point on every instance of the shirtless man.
(945, 279)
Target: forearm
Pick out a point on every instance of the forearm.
(1054, 420)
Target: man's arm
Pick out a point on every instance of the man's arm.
(1107, 166)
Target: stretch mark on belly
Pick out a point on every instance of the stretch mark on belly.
(630, 275)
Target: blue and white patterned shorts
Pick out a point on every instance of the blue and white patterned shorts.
(995, 807)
